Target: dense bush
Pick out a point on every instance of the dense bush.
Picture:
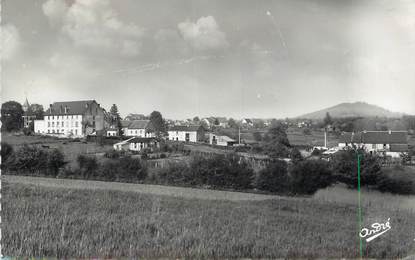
(386, 183)
(113, 154)
(295, 155)
(344, 165)
(56, 160)
(176, 173)
(309, 176)
(34, 160)
(124, 168)
(273, 178)
(87, 165)
(219, 171)
(6, 153)
(30, 159)
(222, 171)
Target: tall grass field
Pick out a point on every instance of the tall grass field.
(70, 222)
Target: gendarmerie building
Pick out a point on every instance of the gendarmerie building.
(73, 119)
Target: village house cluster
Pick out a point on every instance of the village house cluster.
(78, 119)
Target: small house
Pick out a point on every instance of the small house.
(221, 140)
(137, 144)
(193, 133)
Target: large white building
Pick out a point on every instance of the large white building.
(72, 119)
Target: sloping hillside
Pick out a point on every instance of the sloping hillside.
(352, 110)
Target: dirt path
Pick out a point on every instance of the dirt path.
(189, 193)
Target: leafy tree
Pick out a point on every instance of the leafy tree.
(277, 144)
(232, 123)
(11, 116)
(216, 121)
(196, 119)
(116, 118)
(38, 111)
(157, 124)
(328, 120)
(273, 178)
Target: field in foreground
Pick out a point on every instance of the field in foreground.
(63, 222)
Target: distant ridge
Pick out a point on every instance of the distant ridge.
(357, 109)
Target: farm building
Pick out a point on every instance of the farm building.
(221, 140)
(391, 143)
(137, 144)
(194, 133)
(136, 128)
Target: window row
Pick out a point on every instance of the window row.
(61, 124)
(63, 117)
(62, 131)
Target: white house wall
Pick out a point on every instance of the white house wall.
(181, 136)
(138, 133)
(60, 125)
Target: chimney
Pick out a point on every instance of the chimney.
(50, 108)
(66, 109)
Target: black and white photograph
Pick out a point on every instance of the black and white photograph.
(207, 129)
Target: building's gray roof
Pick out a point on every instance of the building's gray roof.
(376, 137)
(399, 148)
(138, 124)
(125, 123)
(73, 107)
(142, 140)
(185, 128)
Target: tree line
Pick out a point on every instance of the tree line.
(297, 177)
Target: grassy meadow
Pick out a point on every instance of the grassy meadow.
(63, 222)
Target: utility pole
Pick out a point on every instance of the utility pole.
(239, 134)
(325, 137)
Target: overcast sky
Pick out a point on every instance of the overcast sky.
(234, 58)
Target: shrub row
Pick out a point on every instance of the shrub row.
(30, 159)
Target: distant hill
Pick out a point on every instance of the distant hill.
(357, 109)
